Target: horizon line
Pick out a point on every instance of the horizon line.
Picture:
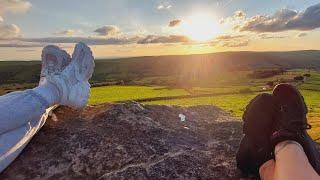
(128, 57)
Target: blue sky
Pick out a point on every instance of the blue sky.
(46, 16)
(128, 20)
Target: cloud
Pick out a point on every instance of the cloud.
(150, 39)
(23, 45)
(284, 20)
(302, 34)
(14, 6)
(68, 32)
(229, 37)
(229, 40)
(108, 30)
(164, 6)
(237, 16)
(16, 45)
(174, 23)
(87, 40)
(25, 50)
(110, 41)
(235, 43)
(270, 36)
(9, 31)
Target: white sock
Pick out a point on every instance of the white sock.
(49, 92)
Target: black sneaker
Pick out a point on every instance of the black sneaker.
(244, 160)
(291, 123)
(255, 148)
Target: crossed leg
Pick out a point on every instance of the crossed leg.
(291, 164)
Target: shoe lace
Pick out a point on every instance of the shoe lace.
(300, 125)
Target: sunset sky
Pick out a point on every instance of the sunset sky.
(124, 28)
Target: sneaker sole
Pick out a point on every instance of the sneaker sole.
(309, 145)
(292, 89)
(84, 62)
(63, 59)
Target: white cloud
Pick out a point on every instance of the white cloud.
(108, 30)
(283, 20)
(237, 16)
(164, 6)
(229, 40)
(148, 39)
(153, 39)
(160, 6)
(271, 36)
(9, 31)
(229, 37)
(235, 43)
(14, 6)
(21, 45)
(87, 40)
(68, 32)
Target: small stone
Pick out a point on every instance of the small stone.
(182, 117)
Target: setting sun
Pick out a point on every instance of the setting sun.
(201, 27)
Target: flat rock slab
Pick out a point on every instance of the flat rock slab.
(132, 141)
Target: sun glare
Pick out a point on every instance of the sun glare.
(201, 27)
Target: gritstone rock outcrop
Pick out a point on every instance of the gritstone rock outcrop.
(132, 141)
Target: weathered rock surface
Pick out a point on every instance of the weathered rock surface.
(131, 141)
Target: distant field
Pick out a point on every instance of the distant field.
(121, 93)
(238, 94)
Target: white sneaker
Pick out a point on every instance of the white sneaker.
(54, 60)
(72, 82)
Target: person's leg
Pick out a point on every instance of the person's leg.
(23, 113)
(291, 126)
(255, 147)
(70, 88)
(266, 171)
(292, 163)
(14, 141)
(295, 154)
(19, 108)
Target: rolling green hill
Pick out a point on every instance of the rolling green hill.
(167, 70)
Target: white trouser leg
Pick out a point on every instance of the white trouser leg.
(22, 114)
